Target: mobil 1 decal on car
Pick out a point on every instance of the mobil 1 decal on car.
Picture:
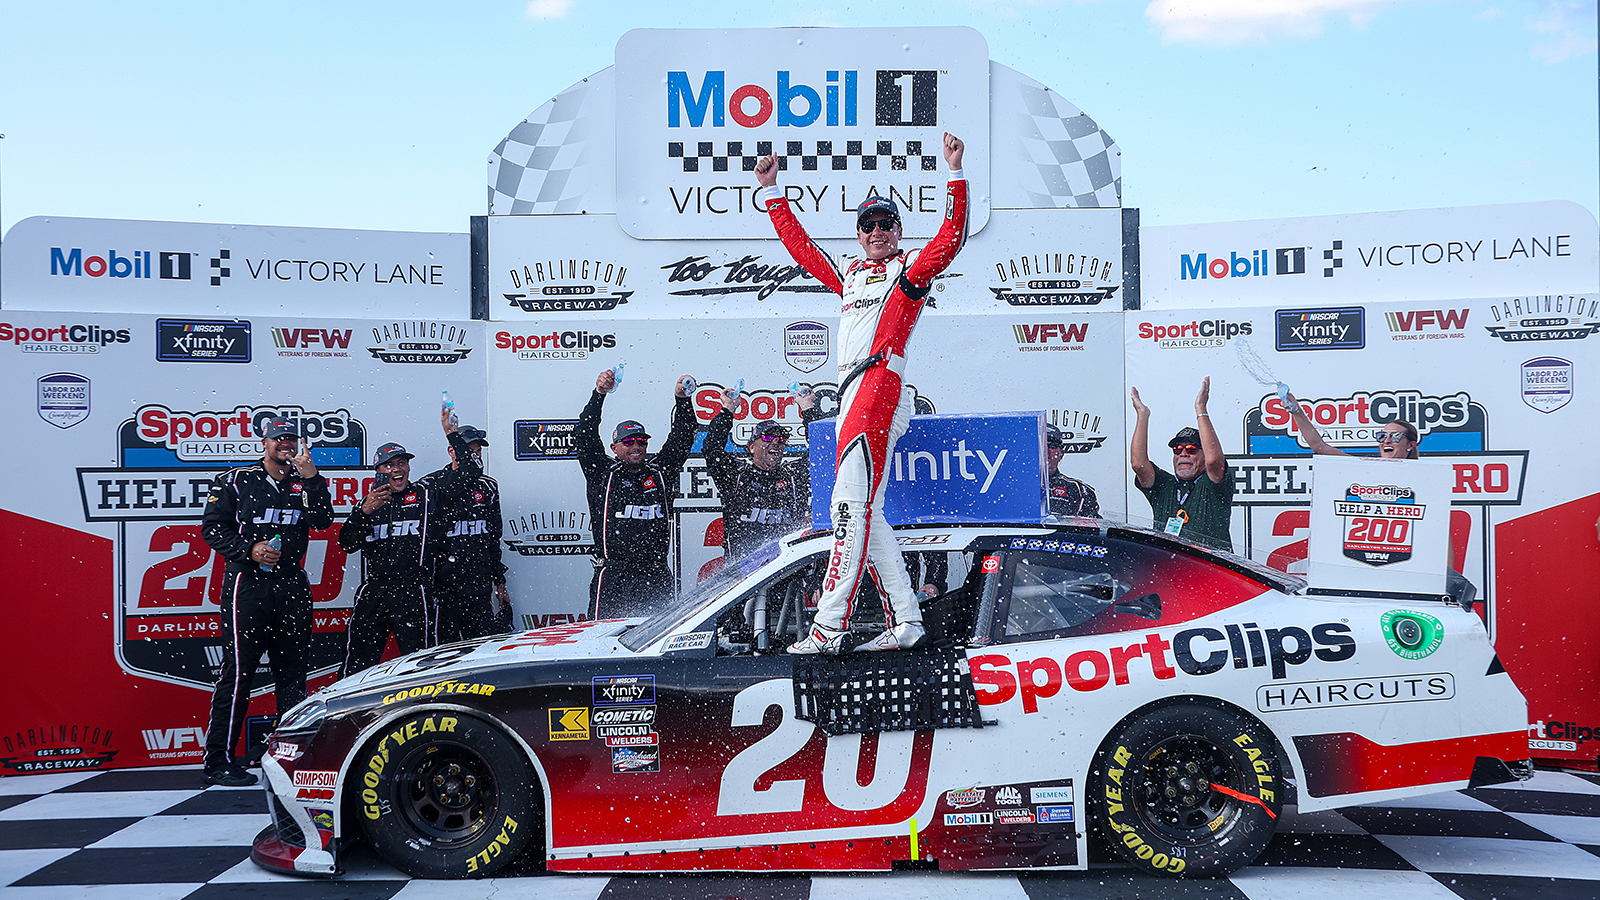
(1378, 522)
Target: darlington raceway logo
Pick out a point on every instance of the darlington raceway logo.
(202, 340)
(47, 747)
(1379, 522)
(568, 285)
(62, 338)
(550, 532)
(1055, 279)
(1080, 431)
(419, 341)
(1321, 329)
(1197, 333)
(902, 98)
(1545, 317)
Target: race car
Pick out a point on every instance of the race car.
(1084, 680)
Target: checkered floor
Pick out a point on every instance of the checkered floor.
(152, 834)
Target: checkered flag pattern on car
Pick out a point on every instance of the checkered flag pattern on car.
(806, 156)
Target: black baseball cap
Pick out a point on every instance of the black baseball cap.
(1185, 436)
(1052, 437)
(473, 434)
(770, 427)
(390, 451)
(628, 429)
(877, 204)
(278, 427)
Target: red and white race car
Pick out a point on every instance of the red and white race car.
(1085, 678)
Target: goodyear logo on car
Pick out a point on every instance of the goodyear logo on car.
(441, 689)
(569, 723)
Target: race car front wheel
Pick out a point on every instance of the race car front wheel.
(444, 795)
(1187, 790)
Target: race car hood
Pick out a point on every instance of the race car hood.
(577, 640)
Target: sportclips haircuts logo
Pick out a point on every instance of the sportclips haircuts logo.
(335, 436)
(1355, 420)
(61, 338)
(1054, 279)
(1197, 652)
(1189, 335)
(568, 285)
(555, 345)
(1545, 317)
(419, 342)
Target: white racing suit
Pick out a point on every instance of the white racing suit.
(882, 300)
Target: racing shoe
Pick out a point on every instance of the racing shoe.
(820, 640)
(905, 636)
(228, 775)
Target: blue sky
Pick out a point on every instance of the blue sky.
(367, 115)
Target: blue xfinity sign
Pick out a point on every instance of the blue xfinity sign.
(959, 468)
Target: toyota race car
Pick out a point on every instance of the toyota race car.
(1083, 679)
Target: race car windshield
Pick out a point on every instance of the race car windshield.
(668, 617)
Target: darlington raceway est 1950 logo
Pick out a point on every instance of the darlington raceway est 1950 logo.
(1055, 279)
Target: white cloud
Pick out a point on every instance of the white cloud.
(1568, 30)
(1253, 21)
(548, 9)
(1488, 15)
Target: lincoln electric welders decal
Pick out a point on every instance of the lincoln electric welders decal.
(1378, 520)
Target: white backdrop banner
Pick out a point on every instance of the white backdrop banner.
(197, 268)
(1413, 254)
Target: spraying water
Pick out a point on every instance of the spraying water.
(1257, 368)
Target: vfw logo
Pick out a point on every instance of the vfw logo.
(1378, 522)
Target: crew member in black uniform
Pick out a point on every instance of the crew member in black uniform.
(762, 497)
(266, 599)
(630, 504)
(396, 528)
(468, 574)
(1068, 496)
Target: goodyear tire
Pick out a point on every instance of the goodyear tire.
(1188, 791)
(444, 795)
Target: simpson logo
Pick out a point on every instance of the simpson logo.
(1322, 329)
(62, 338)
(420, 341)
(971, 818)
(1410, 634)
(614, 690)
(316, 779)
(569, 723)
(1195, 651)
(805, 345)
(63, 399)
(1545, 317)
(1188, 335)
(202, 340)
(1546, 383)
(538, 439)
(1378, 523)
(964, 798)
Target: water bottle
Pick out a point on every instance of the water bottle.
(449, 404)
(690, 385)
(277, 544)
(616, 372)
(1283, 393)
(799, 391)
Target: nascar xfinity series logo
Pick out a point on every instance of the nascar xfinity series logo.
(202, 340)
(1379, 522)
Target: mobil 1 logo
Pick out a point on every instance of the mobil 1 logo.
(907, 97)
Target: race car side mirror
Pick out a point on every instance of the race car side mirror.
(1145, 607)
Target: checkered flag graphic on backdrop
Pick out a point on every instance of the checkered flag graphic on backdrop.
(805, 156)
(537, 168)
(1068, 160)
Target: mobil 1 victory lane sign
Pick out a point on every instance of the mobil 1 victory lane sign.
(849, 113)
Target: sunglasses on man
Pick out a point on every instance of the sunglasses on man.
(769, 438)
(634, 441)
(883, 225)
(1185, 450)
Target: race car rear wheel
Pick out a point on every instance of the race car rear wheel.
(1187, 790)
(445, 795)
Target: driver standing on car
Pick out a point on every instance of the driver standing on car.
(266, 599)
(630, 504)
